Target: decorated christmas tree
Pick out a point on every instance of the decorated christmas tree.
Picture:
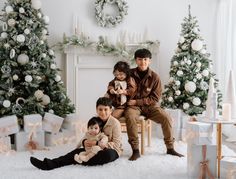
(30, 81)
(190, 72)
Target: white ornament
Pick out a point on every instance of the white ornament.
(15, 77)
(39, 15)
(51, 111)
(204, 85)
(38, 94)
(181, 39)
(23, 59)
(205, 72)
(20, 38)
(41, 42)
(177, 83)
(51, 52)
(178, 92)
(199, 76)
(57, 78)
(185, 106)
(6, 103)
(185, 59)
(53, 66)
(171, 79)
(177, 50)
(189, 62)
(198, 64)
(44, 55)
(12, 53)
(46, 19)
(38, 78)
(44, 31)
(45, 100)
(6, 45)
(175, 63)
(8, 9)
(4, 26)
(21, 10)
(28, 78)
(196, 101)
(4, 35)
(36, 4)
(170, 99)
(190, 86)
(11, 22)
(182, 62)
(197, 45)
(26, 31)
(180, 73)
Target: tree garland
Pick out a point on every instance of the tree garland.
(106, 20)
(102, 46)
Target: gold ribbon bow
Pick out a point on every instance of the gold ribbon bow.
(33, 128)
(204, 168)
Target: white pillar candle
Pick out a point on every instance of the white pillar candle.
(75, 24)
(226, 111)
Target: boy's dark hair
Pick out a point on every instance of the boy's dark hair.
(104, 101)
(142, 53)
(122, 66)
(95, 120)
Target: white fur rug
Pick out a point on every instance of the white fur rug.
(154, 164)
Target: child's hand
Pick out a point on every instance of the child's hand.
(120, 91)
(102, 145)
(89, 143)
(112, 91)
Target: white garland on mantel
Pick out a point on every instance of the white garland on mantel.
(102, 46)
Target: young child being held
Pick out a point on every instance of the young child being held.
(94, 133)
(121, 88)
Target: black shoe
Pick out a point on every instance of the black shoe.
(135, 155)
(38, 163)
(173, 152)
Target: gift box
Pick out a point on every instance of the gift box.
(228, 167)
(23, 139)
(52, 123)
(8, 125)
(69, 137)
(5, 144)
(185, 118)
(71, 122)
(52, 139)
(201, 160)
(176, 133)
(200, 133)
(175, 115)
(32, 123)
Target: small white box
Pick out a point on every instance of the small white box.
(52, 139)
(22, 138)
(200, 133)
(185, 120)
(8, 125)
(195, 157)
(176, 133)
(71, 122)
(175, 115)
(52, 123)
(228, 167)
(32, 123)
(5, 144)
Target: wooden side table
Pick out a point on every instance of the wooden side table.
(219, 139)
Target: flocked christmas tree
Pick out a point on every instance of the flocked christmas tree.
(29, 78)
(190, 72)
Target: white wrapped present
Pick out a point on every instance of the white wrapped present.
(5, 144)
(176, 133)
(69, 137)
(8, 125)
(52, 123)
(201, 160)
(185, 118)
(183, 135)
(32, 123)
(52, 139)
(200, 133)
(23, 141)
(175, 115)
(228, 167)
(71, 122)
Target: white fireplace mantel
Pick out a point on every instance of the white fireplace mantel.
(87, 76)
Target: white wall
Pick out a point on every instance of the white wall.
(162, 18)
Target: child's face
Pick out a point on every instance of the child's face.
(119, 75)
(103, 112)
(93, 129)
(143, 63)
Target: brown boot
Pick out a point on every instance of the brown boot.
(173, 152)
(135, 155)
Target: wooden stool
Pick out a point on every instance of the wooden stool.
(143, 125)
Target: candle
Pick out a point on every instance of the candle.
(75, 24)
(226, 111)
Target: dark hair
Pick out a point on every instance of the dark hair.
(95, 120)
(104, 101)
(122, 66)
(142, 53)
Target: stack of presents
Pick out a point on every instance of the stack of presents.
(201, 147)
(38, 132)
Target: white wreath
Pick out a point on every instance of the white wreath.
(106, 20)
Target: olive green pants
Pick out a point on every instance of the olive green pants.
(156, 114)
